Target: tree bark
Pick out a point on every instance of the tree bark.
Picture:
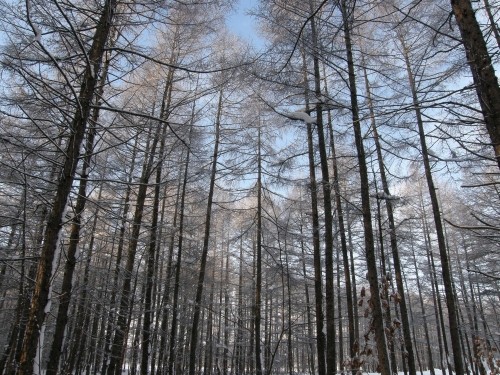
(150, 262)
(206, 238)
(331, 356)
(343, 243)
(445, 264)
(318, 277)
(40, 302)
(378, 319)
(258, 261)
(121, 333)
(175, 297)
(409, 355)
(483, 73)
(74, 239)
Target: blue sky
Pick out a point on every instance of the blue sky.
(242, 24)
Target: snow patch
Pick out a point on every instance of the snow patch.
(383, 195)
(302, 116)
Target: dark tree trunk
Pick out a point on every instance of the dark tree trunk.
(318, 277)
(258, 260)
(175, 297)
(41, 296)
(378, 319)
(206, 238)
(331, 356)
(445, 264)
(82, 313)
(430, 361)
(74, 238)
(343, 245)
(409, 355)
(122, 325)
(310, 354)
(108, 331)
(152, 246)
(485, 81)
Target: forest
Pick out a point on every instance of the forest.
(177, 199)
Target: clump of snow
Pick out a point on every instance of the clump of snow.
(302, 116)
(383, 195)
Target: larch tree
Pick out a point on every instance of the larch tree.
(42, 293)
(483, 71)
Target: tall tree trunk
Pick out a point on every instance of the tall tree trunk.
(343, 242)
(14, 337)
(150, 258)
(239, 366)
(378, 320)
(318, 277)
(445, 264)
(471, 363)
(258, 260)
(74, 238)
(385, 284)
(353, 277)
(164, 361)
(290, 357)
(175, 297)
(83, 314)
(486, 83)
(438, 310)
(310, 354)
(225, 352)
(118, 266)
(120, 339)
(430, 361)
(40, 302)
(206, 238)
(165, 305)
(408, 355)
(331, 356)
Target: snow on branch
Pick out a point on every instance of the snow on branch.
(383, 195)
(302, 116)
(484, 274)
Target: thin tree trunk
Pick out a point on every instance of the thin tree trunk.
(353, 283)
(119, 255)
(120, 339)
(493, 24)
(150, 262)
(22, 300)
(430, 360)
(385, 284)
(408, 355)
(378, 320)
(258, 270)
(164, 361)
(206, 238)
(239, 367)
(318, 277)
(175, 296)
(331, 356)
(82, 314)
(310, 354)
(445, 264)
(225, 352)
(343, 246)
(438, 310)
